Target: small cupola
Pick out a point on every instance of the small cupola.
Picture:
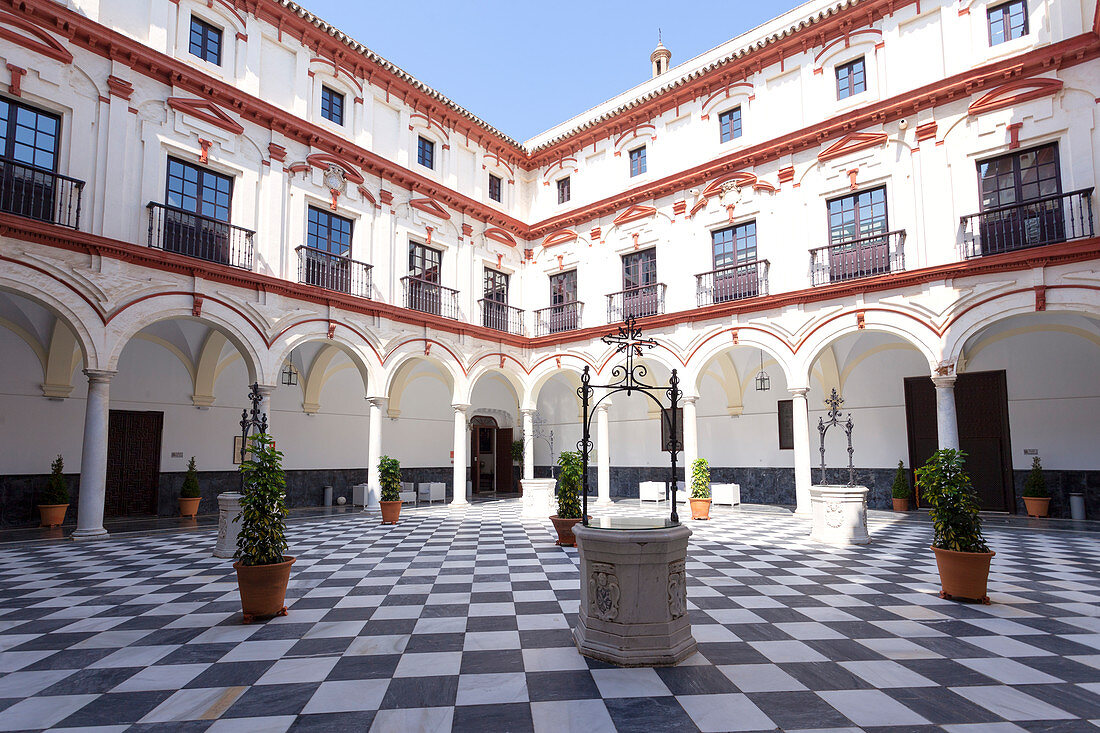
(660, 58)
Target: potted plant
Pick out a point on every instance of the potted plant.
(1036, 496)
(263, 571)
(700, 489)
(962, 556)
(54, 500)
(901, 490)
(569, 498)
(389, 480)
(190, 496)
(517, 452)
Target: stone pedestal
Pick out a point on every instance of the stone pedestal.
(538, 498)
(229, 524)
(368, 496)
(633, 608)
(839, 515)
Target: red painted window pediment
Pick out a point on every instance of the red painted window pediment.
(26, 34)
(499, 235)
(207, 112)
(1014, 92)
(559, 237)
(324, 160)
(430, 206)
(851, 143)
(634, 213)
(740, 178)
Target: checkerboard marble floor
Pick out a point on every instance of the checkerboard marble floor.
(459, 619)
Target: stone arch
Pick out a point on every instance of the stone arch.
(58, 304)
(397, 374)
(510, 377)
(721, 342)
(911, 329)
(365, 360)
(543, 373)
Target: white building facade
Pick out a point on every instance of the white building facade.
(889, 198)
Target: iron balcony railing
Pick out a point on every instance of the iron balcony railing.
(746, 280)
(39, 194)
(647, 300)
(1047, 220)
(558, 318)
(864, 257)
(194, 235)
(429, 297)
(501, 316)
(333, 272)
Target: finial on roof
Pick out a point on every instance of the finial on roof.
(661, 57)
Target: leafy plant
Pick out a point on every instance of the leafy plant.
(1035, 487)
(946, 486)
(262, 540)
(569, 485)
(901, 488)
(700, 479)
(190, 488)
(389, 478)
(57, 488)
(517, 451)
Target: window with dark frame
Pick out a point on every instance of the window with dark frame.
(639, 269)
(425, 152)
(851, 79)
(786, 424)
(425, 263)
(563, 287)
(1020, 200)
(30, 135)
(206, 41)
(198, 190)
(332, 105)
(496, 286)
(734, 245)
(328, 232)
(729, 124)
(494, 187)
(637, 161)
(1007, 21)
(563, 190)
(858, 216)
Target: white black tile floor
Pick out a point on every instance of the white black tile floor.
(459, 619)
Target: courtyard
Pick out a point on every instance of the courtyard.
(460, 619)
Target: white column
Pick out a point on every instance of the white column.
(691, 439)
(801, 426)
(603, 455)
(265, 404)
(947, 424)
(460, 454)
(374, 440)
(93, 457)
(528, 443)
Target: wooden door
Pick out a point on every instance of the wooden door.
(504, 460)
(133, 462)
(920, 422)
(483, 465)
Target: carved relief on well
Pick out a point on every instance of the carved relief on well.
(834, 514)
(603, 592)
(677, 589)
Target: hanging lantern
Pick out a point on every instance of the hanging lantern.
(763, 381)
(289, 375)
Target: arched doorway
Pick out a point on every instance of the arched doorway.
(490, 456)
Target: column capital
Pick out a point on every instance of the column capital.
(378, 402)
(603, 407)
(460, 407)
(100, 375)
(691, 400)
(528, 411)
(798, 391)
(946, 381)
(266, 389)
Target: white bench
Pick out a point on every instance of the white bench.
(432, 492)
(651, 491)
(729, 494)
(408, 492)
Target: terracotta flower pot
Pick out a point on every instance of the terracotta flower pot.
(263, 588)
(1037, 506)
(700, 508)
(901, 505)
(53, 515)
(391, 510)
(189, 506)
(963, 574)
(564, 528)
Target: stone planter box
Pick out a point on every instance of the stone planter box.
(538, 498)
(839, 515)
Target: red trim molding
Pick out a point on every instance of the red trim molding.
(499, 235)
(430, 206)
(633, 214)
(23, 33)
(324, 160)
(207, 112)
(559, 237)
(851, 143)
(1015, 92)
(120, 87)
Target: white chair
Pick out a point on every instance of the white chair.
(435, 492)
(682, 494)
(729, 494)
(651, 491)
(408, 492)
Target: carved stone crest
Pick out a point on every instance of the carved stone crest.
(677, 589)
(834, 515)
(603, 592)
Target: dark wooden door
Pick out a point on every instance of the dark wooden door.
(133, 462)
(981, 407)
(482, 465)
(504, 460)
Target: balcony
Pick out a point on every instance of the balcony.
(39, 194)
(647, 300)
(877, 254)
(501, 316)
(429, 297)
(194, 235)
(747, 280)
(558, 318)
(1047, 220)
(333, 272)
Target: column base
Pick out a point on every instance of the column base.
(90, 534)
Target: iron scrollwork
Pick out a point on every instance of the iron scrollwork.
(834, 402)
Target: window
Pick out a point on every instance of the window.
(786, 424)
(494, 311)
(857, 247)
(494, 187)
(857, 216)
(496, 286)
(1020, 200)
(328, 232)
(850, 79)
(332, 105)
(734, 245)
(423, 292)
(641, 293)
(206, 41)
(198, 190)
(196, 216)
(425, 263)
(425, 152)
(1007, 21)
(564, 310)
(563, 190)
(30, 139)
(729, 124)
(637, 161)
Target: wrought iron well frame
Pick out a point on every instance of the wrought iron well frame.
(834, 401)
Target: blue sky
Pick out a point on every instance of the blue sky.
(524, 66)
